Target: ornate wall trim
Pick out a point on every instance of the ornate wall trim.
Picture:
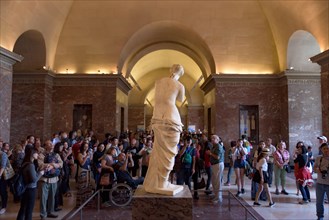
(107, 80)
(323, 60)
(9, 57)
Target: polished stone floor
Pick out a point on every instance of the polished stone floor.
(286, 207)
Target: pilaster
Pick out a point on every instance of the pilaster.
(7, 60)
(323, 60)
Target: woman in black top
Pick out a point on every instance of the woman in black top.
(31, 178)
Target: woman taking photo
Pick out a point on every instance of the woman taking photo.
(239, 158)
(31, 178)
(84, 162)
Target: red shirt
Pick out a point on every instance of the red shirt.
(76, 149)
(207, 160)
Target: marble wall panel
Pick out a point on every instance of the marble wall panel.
(325, 100)
(304, 107)
(7, 60)
(6, 78)
(195, 116)
(27, 111)
(136, 116)
(102, 99)
(228, 99)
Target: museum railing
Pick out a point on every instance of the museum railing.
(246, 209)
(231, 196)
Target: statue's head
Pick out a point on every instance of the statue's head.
(177, 70)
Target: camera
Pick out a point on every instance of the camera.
(324, 174)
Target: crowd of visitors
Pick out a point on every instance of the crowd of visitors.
(89, 160)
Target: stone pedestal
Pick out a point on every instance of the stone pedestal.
(154, 206)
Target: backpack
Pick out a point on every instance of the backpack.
(187, 158)
(18, 185)
(249, 171)
(51, 158)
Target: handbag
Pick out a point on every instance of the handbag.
(256, 178)
(9, 172)
(287, 168)
(105, 180)
(202, 183)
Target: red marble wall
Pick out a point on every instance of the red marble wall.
(43, 103)
(102, 99)
(195, 116)
(136, 116)
(325, 100)
(27, 111)
(228, 99)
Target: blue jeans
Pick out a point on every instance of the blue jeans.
(229, 174)
(270, 167)
(27, 204)
(321, 190)
(3, 192)
(208, 171)
(305, 192)
(184, 176)
(47, 198)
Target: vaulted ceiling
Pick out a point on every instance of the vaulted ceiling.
(140, 38)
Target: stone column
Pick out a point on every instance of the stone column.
(323, 60)
(7, 60)
(301, 107)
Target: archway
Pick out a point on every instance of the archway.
(31, 45)
(301, 46)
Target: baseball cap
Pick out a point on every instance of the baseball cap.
(323, 138)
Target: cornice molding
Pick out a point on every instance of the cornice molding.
(292, 77)
(108, 80)
(8, 59)
(9, 56)
(321, 58)
(238, 80)
(33, 78)
(195, 107)
(136, 106)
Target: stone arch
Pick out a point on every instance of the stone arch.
(31, 45)
(301, 46)
(166, 35)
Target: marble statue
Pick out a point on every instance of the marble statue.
(167, 126)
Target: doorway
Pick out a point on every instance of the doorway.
(249, 122)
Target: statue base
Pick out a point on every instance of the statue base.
(154, 206)
(171, 190)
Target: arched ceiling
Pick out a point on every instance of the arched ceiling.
(246, 36)
(165, 58)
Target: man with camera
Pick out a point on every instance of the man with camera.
(321, 167)
(120, 168)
